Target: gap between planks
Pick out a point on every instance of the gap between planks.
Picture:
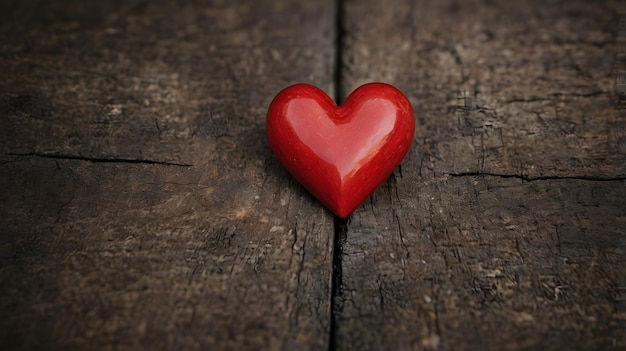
(340, 225)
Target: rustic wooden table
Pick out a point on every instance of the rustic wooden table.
(141, 207)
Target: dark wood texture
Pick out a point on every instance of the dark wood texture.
(141, 207)
(505, 226)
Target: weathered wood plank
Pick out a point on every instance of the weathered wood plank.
(504, 227)
(141, 207)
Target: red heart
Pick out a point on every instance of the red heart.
(341, 154)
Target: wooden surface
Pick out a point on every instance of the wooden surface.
(141, 207)
(505, 226)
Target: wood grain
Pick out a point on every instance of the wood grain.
(504, 227)
(141, 207)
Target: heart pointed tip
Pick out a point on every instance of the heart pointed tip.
(343, 213)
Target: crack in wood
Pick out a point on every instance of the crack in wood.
(339, 38)
(532, 179)
(99, 159)
(340, 225)
(336, 297)
(556, 95)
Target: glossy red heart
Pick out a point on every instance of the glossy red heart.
(340, 154)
